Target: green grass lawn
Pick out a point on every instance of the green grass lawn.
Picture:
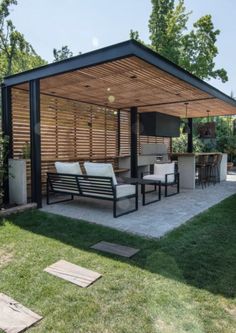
(184, 282)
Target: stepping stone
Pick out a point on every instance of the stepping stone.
(124, 251)
(14, 317)
(75, 274)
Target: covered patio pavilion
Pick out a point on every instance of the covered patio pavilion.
(87, 108)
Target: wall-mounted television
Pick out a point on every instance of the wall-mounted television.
(159, 124)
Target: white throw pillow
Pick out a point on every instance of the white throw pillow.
(100, 169)
(160, 170)
(70, 168)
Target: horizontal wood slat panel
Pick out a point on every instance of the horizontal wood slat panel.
(71, 131)
(134, 82)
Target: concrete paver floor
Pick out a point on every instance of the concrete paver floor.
(153, 220)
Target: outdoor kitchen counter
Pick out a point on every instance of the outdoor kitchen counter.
(187, 168)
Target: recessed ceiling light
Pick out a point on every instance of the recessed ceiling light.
(133, 77)
(87, 86)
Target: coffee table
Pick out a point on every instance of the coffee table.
(144, 183)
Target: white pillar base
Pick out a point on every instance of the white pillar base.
(17, 182)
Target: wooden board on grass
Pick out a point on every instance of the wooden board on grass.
(14, 317)
(121, 250)
(80, 276)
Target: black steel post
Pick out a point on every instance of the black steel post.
(134, 141)
(118, 131)
(190, 136)
(7, 134)
(36, 188)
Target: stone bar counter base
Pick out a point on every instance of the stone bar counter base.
(187, 168)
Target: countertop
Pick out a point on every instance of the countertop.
(195, 154)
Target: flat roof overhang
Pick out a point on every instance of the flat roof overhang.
(127, 75)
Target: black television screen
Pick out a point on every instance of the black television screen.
(159, 124)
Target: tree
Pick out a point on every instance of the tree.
(135, 35)
(166, 25)
(193, 50)
(16, 54)
(63, 53)
(199, 50)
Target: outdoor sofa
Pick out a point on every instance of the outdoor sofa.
(99, 182)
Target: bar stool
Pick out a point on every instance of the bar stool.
(212, 164)
(202, 169)
(218, 163)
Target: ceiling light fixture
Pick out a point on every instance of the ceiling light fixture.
(186, 128)
(208, 131)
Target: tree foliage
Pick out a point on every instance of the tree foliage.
(16, 54)
(179, 144)
(63, 53)
(193, 50)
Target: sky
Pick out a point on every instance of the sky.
(86, 25)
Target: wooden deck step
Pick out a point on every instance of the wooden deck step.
(14, 317)
(120, 250)
(73, 273)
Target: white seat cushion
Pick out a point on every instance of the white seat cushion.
(160, 170)
(70, 168)
(100, 169)
(152, 177)
(124, 190)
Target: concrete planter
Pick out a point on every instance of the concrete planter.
(17, 182)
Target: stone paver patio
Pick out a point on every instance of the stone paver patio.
(154, 220)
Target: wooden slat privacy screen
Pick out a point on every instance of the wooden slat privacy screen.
(72, 131)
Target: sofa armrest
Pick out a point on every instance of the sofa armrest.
(176, 174)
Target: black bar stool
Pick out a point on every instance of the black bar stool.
(202, 170)
(212, 168)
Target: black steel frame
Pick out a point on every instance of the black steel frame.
(114, 52)
(190, 136)
(166, 184)
(75, 185)
(36, 191)
(134, 142)
(144, 192)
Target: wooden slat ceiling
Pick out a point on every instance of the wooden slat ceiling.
(133, 82)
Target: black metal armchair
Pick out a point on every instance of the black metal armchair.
(166, 174)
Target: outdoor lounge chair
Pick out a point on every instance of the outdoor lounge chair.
(166, 174)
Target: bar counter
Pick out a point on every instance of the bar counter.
(187, 168)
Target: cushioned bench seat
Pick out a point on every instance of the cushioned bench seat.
(99, 187)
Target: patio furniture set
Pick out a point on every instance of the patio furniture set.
(99, 182)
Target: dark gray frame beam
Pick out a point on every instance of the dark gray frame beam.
(36, 188)
(134, 142)
(190, 136)
(115, 52)
(118, 131)
(7, 132)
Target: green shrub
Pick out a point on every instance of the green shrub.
(3, 155)
(179, 145)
